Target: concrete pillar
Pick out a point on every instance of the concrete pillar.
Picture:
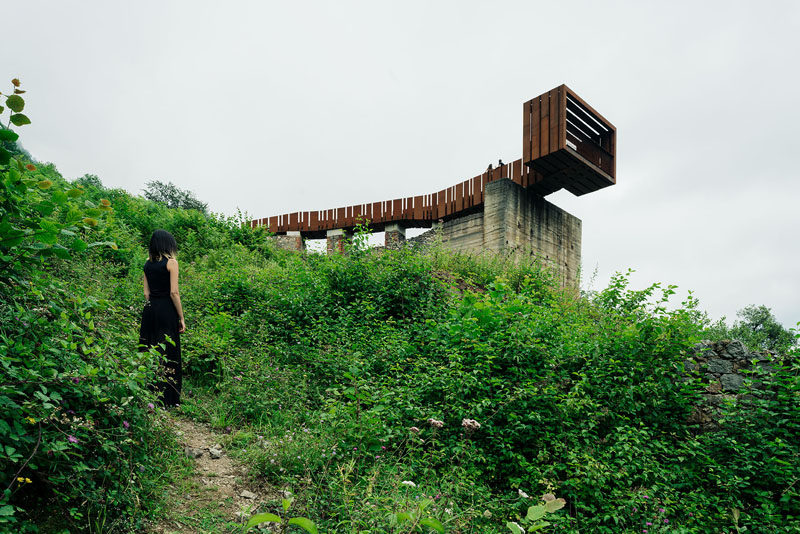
(516, 220)
(395, 235)
(336, 240)
(290, 241)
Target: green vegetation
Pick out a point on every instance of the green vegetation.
(393, 391)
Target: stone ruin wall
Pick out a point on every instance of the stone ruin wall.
(728, 372)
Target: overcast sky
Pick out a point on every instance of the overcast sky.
(274, 107)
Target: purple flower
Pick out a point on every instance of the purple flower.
(71, 412)
(666, 520)
(646, 497)
(237, 377)
(660, 510)
(691, 514)
(151, 405)
(76, 380)
(72, 439)
(649, 524)
(126, 424)
(141, 469)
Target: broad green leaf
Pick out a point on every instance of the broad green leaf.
(15, 103)
(7, 510)
(536, 512)
(72, 193)
(94, 212)
(433, 523)
(557, 504)
(8, 135)
(59, 197)
(538, 526)
(286, 503)
(18, 119)
(79, 245)
(5, 156)
(403, 516)
(514, 528)
(49, 226)
(305, 524)
(262, 518)
(61, 251)
(48, 237)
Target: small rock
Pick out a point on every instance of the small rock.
(714, 387)
(736, 350)
(248, 495)
(215, 454)
(731, 382)
(720, 366)
(192, 453)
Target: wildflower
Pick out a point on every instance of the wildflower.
(30, 167)
(523, 494)
(646, 497)
(649, 524)
(31, 420)
(470, 424)
(151, 405)
(126, 424)
(414, 429)
(691, 514)
(76, 380)
(383, 447)
(141, 469)
(24, 480)
(519, 527)
(238, 377)
(377, 456)
(660, 510)
(408, 483)
(666, 520)
(435, 423)
(72, 439)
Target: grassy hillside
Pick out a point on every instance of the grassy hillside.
(355, 382)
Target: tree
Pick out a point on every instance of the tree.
(758, 328)
(172, 196)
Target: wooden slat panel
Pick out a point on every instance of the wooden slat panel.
(562, 116)
(544, 126)
(516, 171)
(526, 130)
(554, 120)
(273, 223)
(536, 117)
(459, 200)
(397, 209)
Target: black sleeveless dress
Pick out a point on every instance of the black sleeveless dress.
(159, 320)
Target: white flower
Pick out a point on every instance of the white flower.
(408, 483)
(470, 424)
(435, 423)
(523, 494)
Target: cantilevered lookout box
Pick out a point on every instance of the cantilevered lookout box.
(567, 144)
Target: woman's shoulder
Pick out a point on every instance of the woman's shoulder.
(171, 262)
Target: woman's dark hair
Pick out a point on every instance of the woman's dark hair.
(162, 244)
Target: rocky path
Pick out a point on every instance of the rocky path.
(217, 495)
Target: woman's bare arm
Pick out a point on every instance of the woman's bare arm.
(174, 293)
(146, 289)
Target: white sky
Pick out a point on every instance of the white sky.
(274, 107)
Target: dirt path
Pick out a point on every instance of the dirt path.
(217, 495)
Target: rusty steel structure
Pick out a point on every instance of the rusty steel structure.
(565, 144)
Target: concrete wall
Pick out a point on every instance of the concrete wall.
(518, 222)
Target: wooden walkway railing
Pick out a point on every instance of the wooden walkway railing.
(566, 144)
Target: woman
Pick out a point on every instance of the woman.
(162, 318)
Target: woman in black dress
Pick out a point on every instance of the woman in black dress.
(162, 318)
